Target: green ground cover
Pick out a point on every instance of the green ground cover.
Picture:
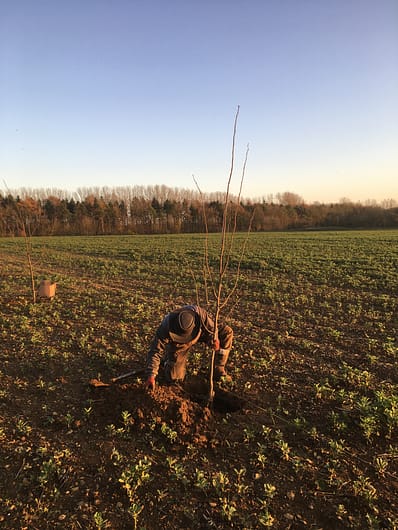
(315, 361)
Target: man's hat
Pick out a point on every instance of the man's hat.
(184, 326)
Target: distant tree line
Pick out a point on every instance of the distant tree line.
(159, 209)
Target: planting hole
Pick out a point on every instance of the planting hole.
(224, 401)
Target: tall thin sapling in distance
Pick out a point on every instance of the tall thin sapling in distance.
(24, 228)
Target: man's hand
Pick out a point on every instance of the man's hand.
(150, 383)
(216, 344)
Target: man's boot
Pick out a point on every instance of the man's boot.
(220, 360)
(175, 367)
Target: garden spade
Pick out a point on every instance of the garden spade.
(96, 383)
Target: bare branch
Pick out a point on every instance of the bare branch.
(207, 273)
(237, 208)
(225, 211)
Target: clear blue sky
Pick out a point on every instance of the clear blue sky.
(134, 92)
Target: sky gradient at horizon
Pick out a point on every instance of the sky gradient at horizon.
(124, 93)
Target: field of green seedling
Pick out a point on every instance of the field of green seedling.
(313, 442)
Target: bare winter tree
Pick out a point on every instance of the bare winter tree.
(214, 280)
(287, 198)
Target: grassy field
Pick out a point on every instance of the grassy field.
(313, 443)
